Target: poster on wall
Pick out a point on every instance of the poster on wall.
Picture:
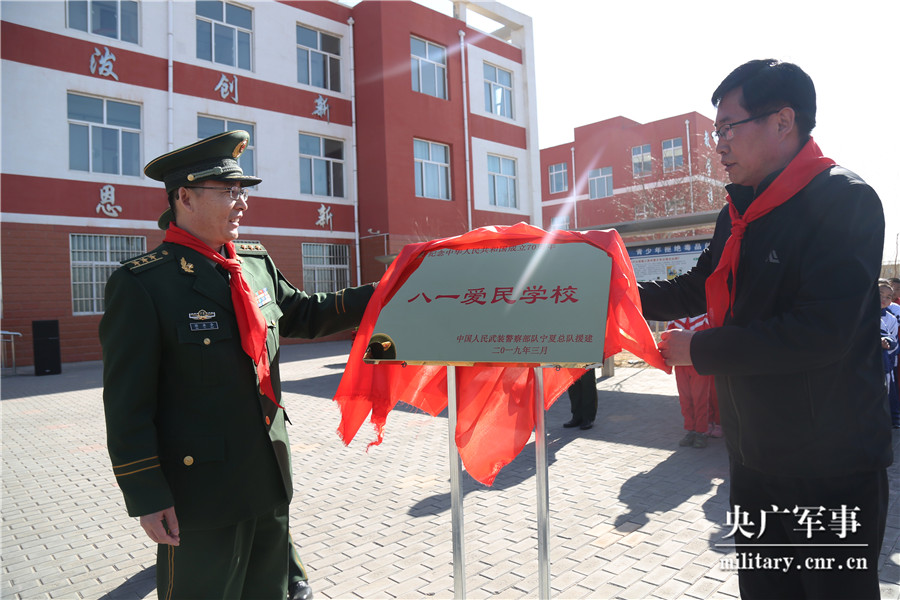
(665, 261)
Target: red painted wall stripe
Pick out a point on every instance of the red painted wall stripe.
(197, 81)
(52, 51)
(45, 196)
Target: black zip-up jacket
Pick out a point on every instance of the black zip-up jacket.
(797, 364)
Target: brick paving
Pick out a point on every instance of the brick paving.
(632, 515)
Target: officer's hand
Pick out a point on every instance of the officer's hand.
(162, 527)
(675, 347)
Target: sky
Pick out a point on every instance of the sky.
(646, 61)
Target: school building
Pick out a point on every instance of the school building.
(659, 184)
(372, 126)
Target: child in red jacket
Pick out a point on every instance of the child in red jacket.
(697, 395)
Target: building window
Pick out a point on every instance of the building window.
(559, 179)
(94, 258)
(676, 206)
(559, 223)
(224, 33)
(498, 91)
(642, 211)
(432, 169)
(640, 160)
(104, 136)
(673, 158)
(209, 126)
(318, 59)
(116, 19)
(429, 68)
(502, 182)
(600, 182)
(321, 166)
(326, 267)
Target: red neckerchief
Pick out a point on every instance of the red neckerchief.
(251, 324)
(808, 163)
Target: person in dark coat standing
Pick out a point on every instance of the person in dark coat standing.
(192, 393)
(583, 400)
(788, 282)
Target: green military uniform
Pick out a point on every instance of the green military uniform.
(186, 424)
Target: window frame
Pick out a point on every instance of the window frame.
(331, 164)
(440, 68)
(100, 270)
(674, 154)
(339, 271)
(602, 176)
(105, 125)
(492, 86)
(645, 161)
(559, 223)
(676, 206)
(556, 175)
(235, 39)
(89, 18)
(248, 156)
(495, 177)
(421, 168)
(333, 61)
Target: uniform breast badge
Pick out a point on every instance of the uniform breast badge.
(204, 317)
(263, 297)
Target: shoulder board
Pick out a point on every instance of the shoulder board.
(249, 247)
(151, 259)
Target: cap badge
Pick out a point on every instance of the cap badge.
(239, 149)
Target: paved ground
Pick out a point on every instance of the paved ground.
(632, 515)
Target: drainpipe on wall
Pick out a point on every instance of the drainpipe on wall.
(355, 185)
(465, 95)
(574, 189)
(687, 135)
(170, 66)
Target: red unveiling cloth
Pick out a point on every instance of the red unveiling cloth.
(808, 163)
(251, 324)
(495, 415)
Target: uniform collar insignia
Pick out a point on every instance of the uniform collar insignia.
(186, 266)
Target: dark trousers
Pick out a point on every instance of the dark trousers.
(245, 561)
(809, 522)
(583, 397)
(296, 570)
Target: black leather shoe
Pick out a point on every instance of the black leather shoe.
(587, 425)
(573, 423)
(299, 590)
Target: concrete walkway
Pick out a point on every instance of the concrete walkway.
(632, 515)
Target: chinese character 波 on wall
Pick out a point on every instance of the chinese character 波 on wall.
(225, 87)
(102, 64)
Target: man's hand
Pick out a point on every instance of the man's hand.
(162, 527)
(675, 346)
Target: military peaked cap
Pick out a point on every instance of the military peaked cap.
(214, 158)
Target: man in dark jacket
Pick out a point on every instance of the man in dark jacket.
(195, 429)
(789, 283)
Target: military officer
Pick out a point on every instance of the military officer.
(195, 429)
